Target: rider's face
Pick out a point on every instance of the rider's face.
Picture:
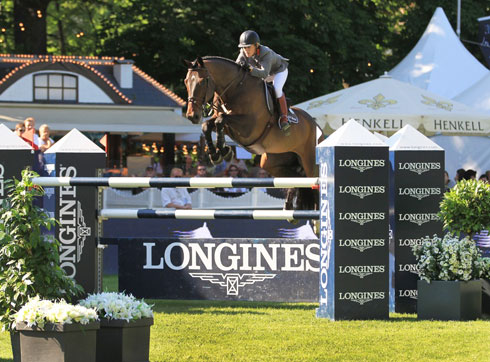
(250, 50)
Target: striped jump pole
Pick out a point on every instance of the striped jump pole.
(209, 214)
(194, 182)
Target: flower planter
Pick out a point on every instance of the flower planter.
(121, 341)
(449, 300)
(54, 342)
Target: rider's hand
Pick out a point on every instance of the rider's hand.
(246, 66)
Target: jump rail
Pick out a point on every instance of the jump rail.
(197, 182)
(209, 214)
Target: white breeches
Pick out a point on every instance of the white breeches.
(278, 82)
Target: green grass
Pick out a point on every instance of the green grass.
(247, 331)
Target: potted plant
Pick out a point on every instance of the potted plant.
(56, 331)
(125, 324)
(29, 257)
(465, 210)
(449, 287)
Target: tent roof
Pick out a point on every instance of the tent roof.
(386, 104)
(478, 95)
(439, 62)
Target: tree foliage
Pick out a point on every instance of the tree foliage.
(330, 43)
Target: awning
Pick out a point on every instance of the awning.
(100, 118)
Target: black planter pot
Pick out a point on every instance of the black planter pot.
(121, 341)
(54, 342)
(449, 300)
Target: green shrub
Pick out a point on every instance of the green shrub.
(29, 258)
(465, 209)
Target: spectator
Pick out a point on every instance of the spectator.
(176, 198)
(261, 173)
(483, 178)
(19, 129)
(150, 172)
(30, 130)
(459, 175)
(44, 141)
(469, 175)
(447, 182)
(488, 174)
(234, 172)
(202, 171)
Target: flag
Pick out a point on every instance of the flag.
(103, 142)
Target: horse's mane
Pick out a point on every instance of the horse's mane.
(214, 57)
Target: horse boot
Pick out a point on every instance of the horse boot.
(283, 118)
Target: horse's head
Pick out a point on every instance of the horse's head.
(200, 89)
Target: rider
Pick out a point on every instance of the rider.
(263, 62)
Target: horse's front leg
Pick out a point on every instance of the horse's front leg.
(225, 151)
(207, 128)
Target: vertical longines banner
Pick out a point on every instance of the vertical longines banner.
(12, 162)
(220, 269)
(417, 189)
(354, 268)
(75, 209)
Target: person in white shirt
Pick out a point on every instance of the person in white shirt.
(176, 198)
(44, 141)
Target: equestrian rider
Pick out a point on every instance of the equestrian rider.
(263, 62)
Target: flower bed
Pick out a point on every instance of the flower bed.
(118, 306)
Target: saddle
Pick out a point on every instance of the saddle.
(273, 104)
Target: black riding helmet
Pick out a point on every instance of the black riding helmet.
(248, 37)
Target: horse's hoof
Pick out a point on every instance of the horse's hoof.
(292, 221)
(227, 153)
(215, 159)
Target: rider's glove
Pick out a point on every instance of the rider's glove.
(246, 67)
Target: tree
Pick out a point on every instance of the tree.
(30, 26)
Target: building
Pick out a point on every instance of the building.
(98, 96)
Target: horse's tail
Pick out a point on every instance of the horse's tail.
(306, 116)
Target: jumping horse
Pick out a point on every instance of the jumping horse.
(242, 110)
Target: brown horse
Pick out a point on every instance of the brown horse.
(241, 112)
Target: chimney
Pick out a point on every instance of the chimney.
(123, 72)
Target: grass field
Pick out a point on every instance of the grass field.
(245, 331)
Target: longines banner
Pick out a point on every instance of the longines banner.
(354, 262)
(75, 207)
(417, 189)
(12, 162)
(219, 269)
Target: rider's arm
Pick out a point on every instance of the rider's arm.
(264, 70)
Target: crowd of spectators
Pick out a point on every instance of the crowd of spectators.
(462, 174)
(37, 140)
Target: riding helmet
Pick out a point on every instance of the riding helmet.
(248, 37)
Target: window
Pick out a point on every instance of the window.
(55, 87)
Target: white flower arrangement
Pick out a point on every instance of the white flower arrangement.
(118, 306)
(38, 312)
(449, 258)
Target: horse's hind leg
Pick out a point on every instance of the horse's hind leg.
(207, 127)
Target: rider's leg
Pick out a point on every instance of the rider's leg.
(278, 83)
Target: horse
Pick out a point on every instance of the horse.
(241, 111)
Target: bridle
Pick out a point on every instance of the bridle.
(211, 90)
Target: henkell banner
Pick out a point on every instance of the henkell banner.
(75, 207)
(283, 270)
(417, 187)
(354, 232)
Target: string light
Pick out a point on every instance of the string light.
(39, 14)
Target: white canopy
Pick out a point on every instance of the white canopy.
(386, 104)
(439, 62)
(478, 95)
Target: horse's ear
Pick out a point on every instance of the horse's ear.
(187, 63)
(200, 62)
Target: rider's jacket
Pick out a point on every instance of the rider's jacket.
(265, 62)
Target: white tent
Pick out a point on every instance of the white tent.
(439, 62)
(386, 104)
(478, 95)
